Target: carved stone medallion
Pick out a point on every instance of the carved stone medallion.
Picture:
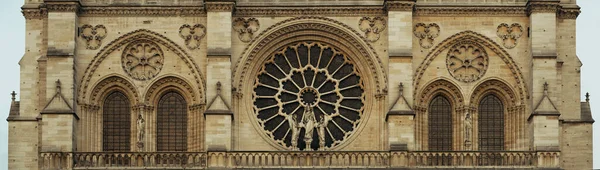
(142, 59)
(372, 26)
(509, 34)
(426, 33)
(246, 28)
(308, 96)
(93, 35)
(192, 35)
(467, 61)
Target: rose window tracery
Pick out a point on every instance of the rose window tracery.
(467, 61)
(308, 96)
(142, 59)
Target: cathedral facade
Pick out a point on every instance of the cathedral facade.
(251, 84)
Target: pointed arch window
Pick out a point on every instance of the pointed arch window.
(491, 123)
(440, 124)
(116, 123)
(171, 123)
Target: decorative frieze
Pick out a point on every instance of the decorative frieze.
(303, 11)
(399, 5)
(142, 11)
(63, 7)
(569, 13)
(469, 11)
(542, 7)
(220, 6)
(34, 13)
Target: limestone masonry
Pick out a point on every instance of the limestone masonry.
(285, 84)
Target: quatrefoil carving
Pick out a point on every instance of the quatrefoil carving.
(246, 28)
(93, 35)
(192, 35)
(426, 33)
(372, 26)
(509, 34)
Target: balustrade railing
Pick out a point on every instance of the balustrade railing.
(289, 159)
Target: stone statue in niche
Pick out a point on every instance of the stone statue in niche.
(468, 129)
(141, 126)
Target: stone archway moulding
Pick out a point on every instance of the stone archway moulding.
(120, 42)
(272, 35)
(482, 40)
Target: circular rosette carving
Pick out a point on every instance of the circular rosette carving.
(142, 59)
(308, 96)
(467, 61)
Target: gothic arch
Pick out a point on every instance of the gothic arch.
(443, 87)
(310, 29)
(133, 36)
(496, 87)
(171, 83)
(479, 39)
(110, 84)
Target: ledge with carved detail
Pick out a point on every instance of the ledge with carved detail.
(295, 159)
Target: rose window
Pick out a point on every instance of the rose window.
(308, 96)
(467, 61)
(142, 59)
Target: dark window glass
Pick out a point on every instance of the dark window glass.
(440, 124)
(491, 124)
(116, 123)
(171, 123)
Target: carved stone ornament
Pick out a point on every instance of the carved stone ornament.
(142, 59)
(93, 35)
(509, 34)
(246, 28)
(372, 26)
(426, 33)
(141, 130)
(467, 61)
(192, 35)
(308, 96)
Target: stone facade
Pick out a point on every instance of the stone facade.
(244, 69)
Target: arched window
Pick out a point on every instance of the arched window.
(491, 124)
(171, 123)
(440, 124)
(116, 123)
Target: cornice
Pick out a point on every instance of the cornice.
(34, 13)
(549, 6)
(568, 13)
(470, 11)
(143, 11)
(399, 5)
(221, 6)
(63, 6)
(303, 11)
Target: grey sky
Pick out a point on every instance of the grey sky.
(12, 42)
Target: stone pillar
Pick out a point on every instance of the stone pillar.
(58, 117)
(400, 118)
(218, 116)
(543, 120)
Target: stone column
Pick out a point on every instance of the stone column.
(218, 116)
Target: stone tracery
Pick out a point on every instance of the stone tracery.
(310, 86)
(142, 59)
(467, 61)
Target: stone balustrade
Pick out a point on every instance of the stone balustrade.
(290, 159)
